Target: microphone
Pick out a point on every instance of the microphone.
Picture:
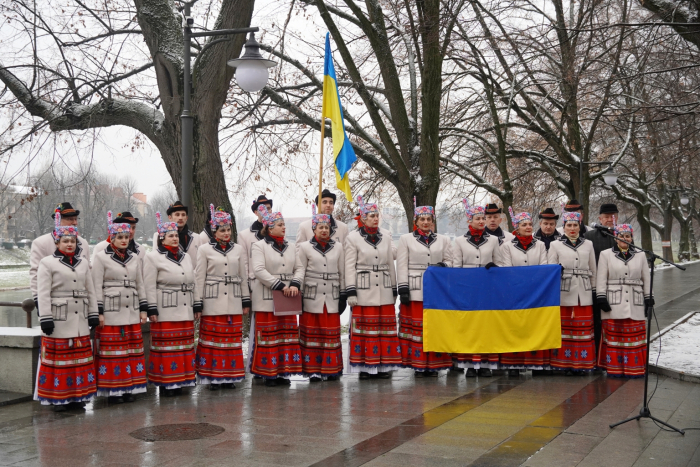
(601, 227)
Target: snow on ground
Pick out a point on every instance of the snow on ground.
(680, 348)
(12, 278)
(663, 266)
(14, 257)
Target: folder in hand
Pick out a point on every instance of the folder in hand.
(285, 306)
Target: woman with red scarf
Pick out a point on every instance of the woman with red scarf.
(168, 275)
(370, 281)
(523, 250)
(320, 270)
(121, 299)
(416, 252)
(576, 256)
(276, 355)
(67, 311)
(476, 249)
(221, 283)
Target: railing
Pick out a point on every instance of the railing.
(27, 305)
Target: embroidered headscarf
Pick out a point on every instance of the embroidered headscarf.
(219, 217)
(164, 227)
(269, 218)
(318, 218)
(63, 230)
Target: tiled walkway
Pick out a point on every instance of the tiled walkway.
(500, 421)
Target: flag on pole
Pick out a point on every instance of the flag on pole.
(343, 153)
(475, 310)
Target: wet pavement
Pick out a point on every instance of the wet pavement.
(445, 421)
(450, 420)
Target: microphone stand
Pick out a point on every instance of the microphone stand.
(651, 257)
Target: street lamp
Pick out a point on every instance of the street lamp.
(252, 77)
(251, 68)
(609, 177)
(685, 199)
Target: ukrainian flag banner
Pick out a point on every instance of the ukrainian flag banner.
(499, 310)
(343, 153)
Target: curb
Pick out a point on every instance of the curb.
(680, 375)
(17, 400)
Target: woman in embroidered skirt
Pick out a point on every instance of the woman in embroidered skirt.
(67, 310)
(476, 249)
(276, 354)
(577, 259)
(523, 250)
(221, 283)
(624, 298)
(370, 281)
(416, 252)
(168, 275)
(320, 269)
(121, 299)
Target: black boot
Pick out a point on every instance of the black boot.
(271, 383)
(364, 375)
(129, 397)
(384, 375)
(115, 399)
(471, 373)
(315, 379)
(486, 372)
(165, 392)
(515, 373)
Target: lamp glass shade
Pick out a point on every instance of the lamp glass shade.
(610, 178)
(684, 199)
(251, 75)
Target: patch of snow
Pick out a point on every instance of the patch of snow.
(680, 348)
(17, 331)
(663, 266)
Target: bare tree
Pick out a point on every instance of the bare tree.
(87, 68)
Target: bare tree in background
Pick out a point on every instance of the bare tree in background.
(85, 67)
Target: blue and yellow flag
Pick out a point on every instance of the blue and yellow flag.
(343, 153)
(491, 311)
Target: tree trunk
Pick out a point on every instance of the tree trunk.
(693, 242)
(666, 235)
(684, 245)
(645, 227)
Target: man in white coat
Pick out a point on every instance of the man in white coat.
(339, 230)
(45, 245)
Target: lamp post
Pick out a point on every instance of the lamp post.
(248, 77)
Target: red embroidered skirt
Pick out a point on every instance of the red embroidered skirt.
(319, 339)
(120, 362)
(276, 351)
(67, 371)
(476, 361)
(577, 350)
(623, 348)
(374, 342)
(171, 362)
(411, 338)
(220, 349)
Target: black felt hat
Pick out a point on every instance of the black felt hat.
(608, 208)
(325, 194)
(127, 217)
(66, 210)
(262, 199)
(177, 206)
(492, 208)
(549, 214)
(573, 205)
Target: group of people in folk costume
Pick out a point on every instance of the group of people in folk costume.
(208, 278)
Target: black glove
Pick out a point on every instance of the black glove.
(603, 304)
(405, 298)
(47, 327)
(441, 264)
(648, 305)
(36, 305)
(342, 304)
(198, 307)
(491, 265)
(93, 321)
